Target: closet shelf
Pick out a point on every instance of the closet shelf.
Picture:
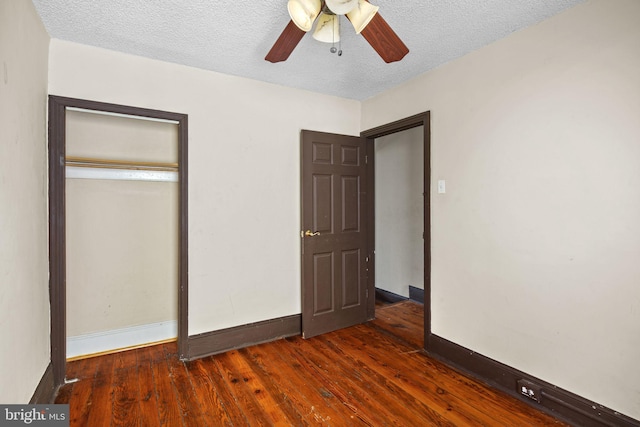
(87, 162)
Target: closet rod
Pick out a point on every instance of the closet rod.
(89, 162)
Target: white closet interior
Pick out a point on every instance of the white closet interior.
(121, 231)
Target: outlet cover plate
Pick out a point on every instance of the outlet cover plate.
(530, 390)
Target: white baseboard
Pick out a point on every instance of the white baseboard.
(121, 338)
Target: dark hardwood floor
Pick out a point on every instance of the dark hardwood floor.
(373, 374)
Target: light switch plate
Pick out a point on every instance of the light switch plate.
(441, 187)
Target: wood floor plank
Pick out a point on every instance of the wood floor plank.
(403, 320)
(228, 400)
(169, 410)
(430, 394)
(374, 374)
(190, 409)
(348, 384)
(426, 398)
(214, 406)
(391, 403)
(244, 396)
(81, 394)
(394, 396)
(407, 313)
(78, 369)
(271, 396)
(149, 413)
(331, 385)
(100, 411)
(64, 394)
(126, 390)
(316, 404)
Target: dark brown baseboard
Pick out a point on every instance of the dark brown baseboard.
(416, 294)
(46, 390)
(387, 296)
(553, 400)
(209, 343)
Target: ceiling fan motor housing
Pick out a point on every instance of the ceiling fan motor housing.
(341, 7)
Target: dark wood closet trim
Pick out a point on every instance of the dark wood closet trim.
(57, 243)
(209, 343)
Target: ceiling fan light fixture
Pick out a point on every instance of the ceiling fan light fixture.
(361, 15)
(327, 29)
(304, 12)
(341, 7)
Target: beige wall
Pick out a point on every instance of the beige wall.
(24, 295)
(399, 211)
(535, 244)
(122, 254)
(106, 136)
(244, 151)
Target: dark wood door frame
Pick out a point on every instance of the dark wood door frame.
(57, 240)
(422, 119)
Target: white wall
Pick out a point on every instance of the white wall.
(24, 286)
(244, 155)
(535, 246)
(399, 210)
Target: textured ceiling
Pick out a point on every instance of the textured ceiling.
(233, 37)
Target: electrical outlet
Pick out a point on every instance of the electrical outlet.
(529, 389)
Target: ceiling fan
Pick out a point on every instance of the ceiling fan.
(363, 16)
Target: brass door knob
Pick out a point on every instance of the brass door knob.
(310, 233)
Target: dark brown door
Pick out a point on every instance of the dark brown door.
(334, 232)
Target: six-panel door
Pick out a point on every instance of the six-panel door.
(334, 282)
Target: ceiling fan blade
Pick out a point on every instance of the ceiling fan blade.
(288, 40)
(384, 40)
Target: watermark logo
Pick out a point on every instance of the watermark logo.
(35, 415)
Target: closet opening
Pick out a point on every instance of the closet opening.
(118, 228)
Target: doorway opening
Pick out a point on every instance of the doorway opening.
(419, 120)
(59, 131)
(399, 200)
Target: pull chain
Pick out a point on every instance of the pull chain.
(333, 47)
